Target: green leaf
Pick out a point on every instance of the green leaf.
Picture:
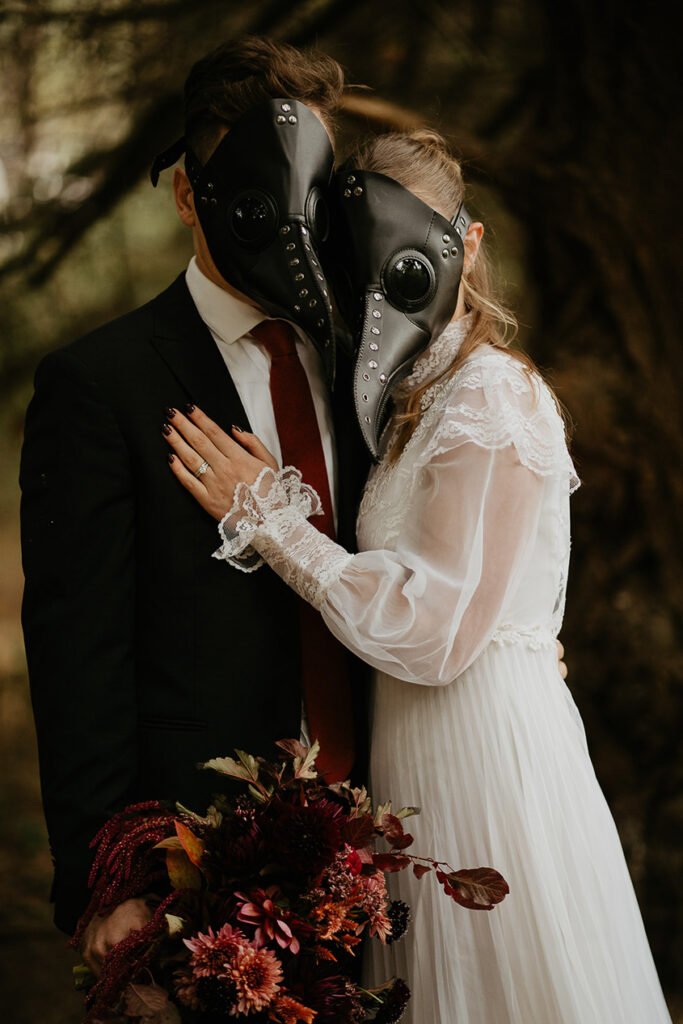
(84, 978)
(304, 769)
(229, 766)
(175, 924)
(170, 843)
(408, 812)
(257, 794)
(250, 763)
(183, 874)
(381, 811)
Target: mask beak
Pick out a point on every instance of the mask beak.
(388, 345)
(300, 291)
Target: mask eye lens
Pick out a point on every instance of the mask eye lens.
(317, 215)
(409, 279)
(253, 219)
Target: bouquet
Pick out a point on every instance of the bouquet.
(259, 906)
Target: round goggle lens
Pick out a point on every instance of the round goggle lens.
(409, 279)
(253, 219)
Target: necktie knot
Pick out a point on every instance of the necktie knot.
(277, 337)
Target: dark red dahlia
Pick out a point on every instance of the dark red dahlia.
(399, 915)
(218, 996)
(334, 999)
(395, 1004)
(234, 849)
(306, 839)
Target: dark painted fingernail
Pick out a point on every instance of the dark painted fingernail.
(169, 413)
(238, 429)
(189, 408)
(166, 429)
(171, 457)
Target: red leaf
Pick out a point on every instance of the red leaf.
(475, 888)
(403, 842)
(192, 845)
(393, 829)
(292, 747)
(359, 831)
(420, 870)
(390, 862)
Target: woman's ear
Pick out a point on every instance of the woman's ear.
(473, 238)
(184, 198)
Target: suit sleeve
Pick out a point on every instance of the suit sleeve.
(78, 527)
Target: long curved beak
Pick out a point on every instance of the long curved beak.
(387, 347)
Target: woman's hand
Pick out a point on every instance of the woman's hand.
(195, 440)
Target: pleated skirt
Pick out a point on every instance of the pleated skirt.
(499, 764)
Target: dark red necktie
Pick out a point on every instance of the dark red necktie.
(324, 666)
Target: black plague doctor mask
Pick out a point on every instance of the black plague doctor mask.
(397, 265)
(261, 199)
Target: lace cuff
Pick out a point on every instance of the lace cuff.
(251, 506)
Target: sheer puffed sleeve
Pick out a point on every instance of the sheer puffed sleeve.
(477, 471)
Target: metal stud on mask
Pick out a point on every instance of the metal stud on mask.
(261, 199)
(396, 267)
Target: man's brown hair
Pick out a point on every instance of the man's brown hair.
(244, 72)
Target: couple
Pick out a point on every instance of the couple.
(147, 655)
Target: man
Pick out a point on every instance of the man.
(145, 655)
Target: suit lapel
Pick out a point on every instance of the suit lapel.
(184, 342)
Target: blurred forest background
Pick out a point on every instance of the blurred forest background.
(568, 118)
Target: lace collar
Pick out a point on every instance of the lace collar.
(436, 357)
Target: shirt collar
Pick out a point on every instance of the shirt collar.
(227, 316)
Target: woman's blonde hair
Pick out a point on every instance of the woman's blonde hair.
(422, 162)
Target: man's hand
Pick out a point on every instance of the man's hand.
(104, 932)
(560, 660)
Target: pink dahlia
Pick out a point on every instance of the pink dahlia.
(259, 909)
(257, 974)
(375, 904)
(212, 953)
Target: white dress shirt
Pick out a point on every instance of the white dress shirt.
(230, 320)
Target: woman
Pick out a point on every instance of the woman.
(455, 599)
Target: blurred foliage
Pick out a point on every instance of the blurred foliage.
(568, 119)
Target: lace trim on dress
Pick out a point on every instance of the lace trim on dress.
(306, 559)
(534, 637)
(268, 522)
(500, 403)
(436, 356)
(252, 504)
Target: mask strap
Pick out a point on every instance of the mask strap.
(171, 156)
(167, 159)
(461, 221)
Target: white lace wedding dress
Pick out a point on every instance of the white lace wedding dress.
(455, 599)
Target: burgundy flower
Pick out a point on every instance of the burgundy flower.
(307, 838)
(399, 918)
(258, 909)
(394, 1004)
(234, 848)
(333, 998)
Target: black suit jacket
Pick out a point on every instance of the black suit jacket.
(145, 655)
